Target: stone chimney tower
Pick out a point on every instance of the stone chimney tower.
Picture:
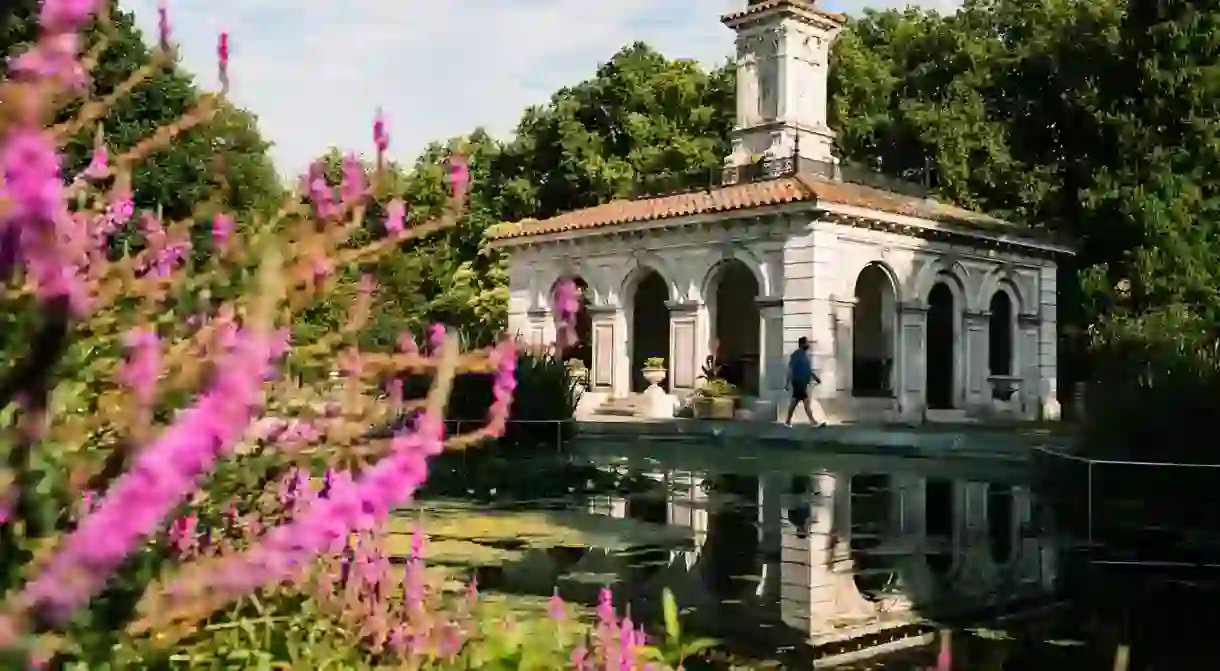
(783, 52)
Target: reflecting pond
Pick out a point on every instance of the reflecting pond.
(787, 556)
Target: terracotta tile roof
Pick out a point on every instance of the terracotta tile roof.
(795, 189)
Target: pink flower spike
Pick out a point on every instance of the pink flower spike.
(381, 138)
(459, 177)
(222, 58)
(222, 229)
(99, 163)
(396, 215)
(163, 26)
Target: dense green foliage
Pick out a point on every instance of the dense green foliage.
(181, 177)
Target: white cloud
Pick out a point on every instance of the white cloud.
(315, 70)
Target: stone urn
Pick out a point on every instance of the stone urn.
(657, 403)
(655, 376)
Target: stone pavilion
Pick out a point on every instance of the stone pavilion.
(918, 310)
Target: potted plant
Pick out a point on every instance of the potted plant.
(577, 371)
(655, 370)
(716, 399)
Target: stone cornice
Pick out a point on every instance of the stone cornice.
(682, 307)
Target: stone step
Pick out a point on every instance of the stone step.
(948, 417)
(617, 406)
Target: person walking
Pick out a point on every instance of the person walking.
(799, 379)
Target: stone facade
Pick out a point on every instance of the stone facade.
(917, 328)
(806, 266)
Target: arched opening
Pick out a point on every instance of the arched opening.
(649, 327)
(736, 325)
(873, 318)
(1000, 335)
(1000, 522)
(871, 506)
(942, 337)
(582, 349)
(940, 527)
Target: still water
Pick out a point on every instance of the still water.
(788, 556)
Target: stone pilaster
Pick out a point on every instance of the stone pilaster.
(978, 391)
(684, 362)
(772, 357)
(609, 353)
(843, 315)
(912, 362)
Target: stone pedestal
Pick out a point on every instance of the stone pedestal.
(656, 404)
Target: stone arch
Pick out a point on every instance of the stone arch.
(643, 263)
(736, 253)
(944, 332)
(874, 330)
(1004, 278)
(944, 269)
(731, 291)
(645, 295)
(1003, 309)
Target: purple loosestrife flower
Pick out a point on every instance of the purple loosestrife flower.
(330, 520)
(53, 57)
(163, 29)
(557, 609)
(381, 138)
(459, 177)
(63, 16)
(222, 230)
(320, 192)
(436, 337)
(351, 190)
(567, 307)
(143, 366)
(99, 164)
(396, 217)
(164, 473)
(30, 170)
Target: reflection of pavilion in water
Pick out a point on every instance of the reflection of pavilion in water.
(828, 550)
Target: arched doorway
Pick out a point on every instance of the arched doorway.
(735, 324)
(873, 318)
(1000, 335)
(582, 349)
(939, 366)
(649, 326)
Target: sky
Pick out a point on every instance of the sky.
(316, 71)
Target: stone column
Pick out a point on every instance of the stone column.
(684, 363)
(978, 391)
(912, 360)
(843, 314)
(1048, 344)
(608, 349)
(772, 357)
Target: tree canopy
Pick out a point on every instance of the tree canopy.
(182, 175)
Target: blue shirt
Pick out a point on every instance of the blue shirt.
(800, 368)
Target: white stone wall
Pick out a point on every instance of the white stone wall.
(823, 263)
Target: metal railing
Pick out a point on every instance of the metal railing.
(1137, 513)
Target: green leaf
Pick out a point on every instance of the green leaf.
(673, 629)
